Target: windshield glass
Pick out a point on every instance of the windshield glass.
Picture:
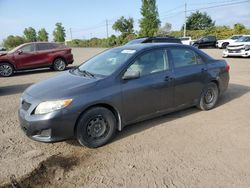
(107, 62)
(184, 38)
(235, 37)
(136, 41)
(244, 39)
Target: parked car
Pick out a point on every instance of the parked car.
(186, 40)
(168, 39)
(224, 43)
(2, 49)
(118, 87)
(205, 42)
(240, 47)
(35, 55)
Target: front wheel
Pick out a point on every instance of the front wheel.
(59, 64)
(6, 69)
(209, 97)
(96, 127)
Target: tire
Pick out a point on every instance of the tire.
(209, 97)
(6, 69)
(59, 64)
(96, 127)
(224, 45)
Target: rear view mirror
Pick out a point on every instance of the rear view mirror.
(130, 74)
(19, 51)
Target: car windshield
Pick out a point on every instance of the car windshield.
(235, 37)
(107, 62)
(15, 49)
(244, 39)
(136, 41)
(184, 38)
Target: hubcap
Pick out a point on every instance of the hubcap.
(5, 70)
(97, 127)
(60, 65)
(209, 96)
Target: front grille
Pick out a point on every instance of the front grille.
(25, 105)
(234, 51)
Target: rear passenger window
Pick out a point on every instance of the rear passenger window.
(185, 57)
(43, 46)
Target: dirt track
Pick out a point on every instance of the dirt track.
(190, 148)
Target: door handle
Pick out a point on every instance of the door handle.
(168, 78)
(204, 70)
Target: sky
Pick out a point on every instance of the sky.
(87, 18)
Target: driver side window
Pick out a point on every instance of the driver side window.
(150, 62)
(27, 48)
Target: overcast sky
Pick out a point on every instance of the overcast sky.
(87, 18)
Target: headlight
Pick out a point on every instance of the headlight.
(247, 47)
(50, 106)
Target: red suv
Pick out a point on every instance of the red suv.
(35, 55)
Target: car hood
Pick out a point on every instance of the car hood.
(61, 86)
(238, 44)
(226, 40)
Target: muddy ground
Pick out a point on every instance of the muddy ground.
(190, 148)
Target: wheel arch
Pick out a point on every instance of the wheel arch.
(217, 83)
(59, 57)
(107, 106)
(6, 61)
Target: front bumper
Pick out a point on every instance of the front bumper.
(236, 53)
(51, 127)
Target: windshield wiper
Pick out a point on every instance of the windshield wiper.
(86, 72)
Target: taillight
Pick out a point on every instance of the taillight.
(227, 68)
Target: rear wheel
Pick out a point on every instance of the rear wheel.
(96, 127)
(59, 64)
(209, 97)
(6, 69)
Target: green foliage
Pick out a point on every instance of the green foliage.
(165, 30)
(42, 35)
(221, 32)
(150, 22)
(199, 21)
(59, 33)
(13, 41)
(239, 28)
(30, 34)
(124, 26)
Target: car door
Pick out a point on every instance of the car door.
(190, 75)
(43, 52)
(152, 92)
(25, 57)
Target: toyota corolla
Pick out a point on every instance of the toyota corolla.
(119, 87)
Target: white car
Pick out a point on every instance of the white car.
(225, 42)
(241, 47)
(186, 40)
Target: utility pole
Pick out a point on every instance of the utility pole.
(107, 28)
(185, 24)
(70, 34)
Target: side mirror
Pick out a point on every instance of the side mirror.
(130, 74)
(19, 51)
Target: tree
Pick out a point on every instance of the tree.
(163, 31)
(42, 35)
(59, 33)
(124, 26)
(199, 21)
(30, 34)
(238, 28)
(13, 41)
(150, 23)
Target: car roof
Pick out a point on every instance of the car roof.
(143, 46)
